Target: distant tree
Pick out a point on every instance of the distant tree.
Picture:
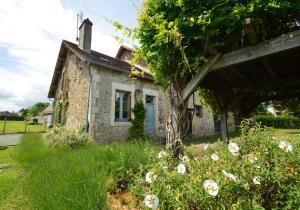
(262, 109)
(289, 107)
(35, 109)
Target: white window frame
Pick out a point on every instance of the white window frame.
(125, 88)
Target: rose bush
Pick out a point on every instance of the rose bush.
(255, 171)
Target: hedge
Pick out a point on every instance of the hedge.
(12, 118)
(279, 122)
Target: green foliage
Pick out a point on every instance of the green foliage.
(259, 156)
(36, 109)
(288, 107)
(279, 122)
(137, 128)
(65, 178)
(61, 137)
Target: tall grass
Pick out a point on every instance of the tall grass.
(79, 178)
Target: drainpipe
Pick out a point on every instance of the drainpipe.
(88, 114)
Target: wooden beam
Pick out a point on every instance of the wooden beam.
(190, 87)
(282, 43)
(269, 68)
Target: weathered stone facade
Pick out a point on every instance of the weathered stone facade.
(75, 84)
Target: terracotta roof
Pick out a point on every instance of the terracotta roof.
(92, 57)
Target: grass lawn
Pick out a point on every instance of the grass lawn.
(19, 127)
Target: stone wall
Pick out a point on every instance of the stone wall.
(76, 83)
(104, 84)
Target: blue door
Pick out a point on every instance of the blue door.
(149, 124)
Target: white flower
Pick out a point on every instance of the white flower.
(286, 146)
(150, 177)
(229, 175)
(162, 154)
(256, 180)
(257, 165)
(205, 147)
(211, 187)
(215, 157)
(234, 149)
(181, 169)
(151, 201)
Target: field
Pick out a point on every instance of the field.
(19, 127)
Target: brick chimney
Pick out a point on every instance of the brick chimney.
(85, 35)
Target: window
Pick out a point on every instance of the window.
(199, 111)
(149, 99)
(122, 106)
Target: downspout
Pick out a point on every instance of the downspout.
(88, 113)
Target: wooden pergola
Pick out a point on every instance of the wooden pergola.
(240, 80)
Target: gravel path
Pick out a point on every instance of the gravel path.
(10, 139)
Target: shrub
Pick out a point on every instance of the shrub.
(279, 122)
(253, 173)
(61, 136)
(3, 147)
(137, 128)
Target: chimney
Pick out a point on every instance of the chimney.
(85, 35)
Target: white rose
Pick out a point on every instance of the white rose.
(215, 157)
(151, 201)
(211, 187)
(181, 169)
(286, 146)
(234, 149)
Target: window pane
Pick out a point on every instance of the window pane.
(125, 105)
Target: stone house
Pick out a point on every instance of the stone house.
(94, 91)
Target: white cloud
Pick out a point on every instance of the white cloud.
(32, 31)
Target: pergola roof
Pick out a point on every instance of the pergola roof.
(246, 77)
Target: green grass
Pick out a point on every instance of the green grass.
(66, 178)
(19, 127)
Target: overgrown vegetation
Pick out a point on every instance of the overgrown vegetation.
(255, 171)
(61, 137)
(138, 123)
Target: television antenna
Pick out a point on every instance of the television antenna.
(79, 21)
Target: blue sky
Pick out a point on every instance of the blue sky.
(31, 34)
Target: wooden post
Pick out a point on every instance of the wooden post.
(25, 125)
(4, 125)
(224, 127)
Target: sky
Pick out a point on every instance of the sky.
(30, 38)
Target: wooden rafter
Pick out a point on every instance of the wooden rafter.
(283, 43)
(195, 81)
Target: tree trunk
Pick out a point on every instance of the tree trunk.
(177, 123)
(224, 127)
